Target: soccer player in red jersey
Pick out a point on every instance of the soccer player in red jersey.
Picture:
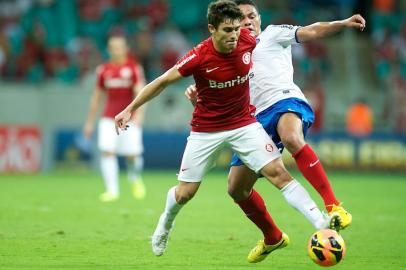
(281, 116)
(223, 117)
(119, 80)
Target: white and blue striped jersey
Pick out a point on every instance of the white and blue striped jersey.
(272, 67)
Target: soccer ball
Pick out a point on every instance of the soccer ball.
(326, 247)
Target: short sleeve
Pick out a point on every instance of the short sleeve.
(283, 34)
(99, 77)
(188, 63)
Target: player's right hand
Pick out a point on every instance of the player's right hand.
(121, 120)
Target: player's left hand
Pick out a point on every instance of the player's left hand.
(121, 120)
(191, 94)
(356, 21)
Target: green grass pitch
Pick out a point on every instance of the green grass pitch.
(56, 222)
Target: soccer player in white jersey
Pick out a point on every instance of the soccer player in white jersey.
(281, 107)
(118, 81)
(222, 117)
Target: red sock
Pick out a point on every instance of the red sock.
(311, 168)
(255, 209)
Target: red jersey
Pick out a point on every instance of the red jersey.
(222, 82)
(118, 81)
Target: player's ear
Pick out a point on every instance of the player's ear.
(211, 28)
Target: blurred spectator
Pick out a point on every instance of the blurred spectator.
(3, 53)
(385, 53)
(399, 104)
(144, 41)
(157, 12)
(57, 65)
(400, 44)
(85, 54)
(172, 44)
(359, 119)
(384, 6)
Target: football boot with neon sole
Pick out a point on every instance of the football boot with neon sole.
(261, 250)
(340, 218)
(138, 189)
(108, 197)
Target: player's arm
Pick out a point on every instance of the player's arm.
(191, 94)
(139, 116)
(147, 93)
(322, 29)
(94, 105)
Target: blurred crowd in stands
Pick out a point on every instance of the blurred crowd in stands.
(389, 41)
(66, 40)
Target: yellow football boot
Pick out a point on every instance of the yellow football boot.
(108, 197)
(340, 217)
(260, 251)
(139, 190)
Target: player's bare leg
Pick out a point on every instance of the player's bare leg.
(176, 198)
(290, 130)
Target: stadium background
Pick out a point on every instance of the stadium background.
(50, 217)
(49, 50)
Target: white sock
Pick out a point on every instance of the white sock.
(171, 210)
(297, 196)
(109, 169)
(134, 168)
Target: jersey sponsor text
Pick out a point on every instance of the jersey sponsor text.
(231, 83)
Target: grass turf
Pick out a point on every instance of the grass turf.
(56, 222)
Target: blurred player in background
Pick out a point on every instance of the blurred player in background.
(222, 118)
(118, 80)
(281, 107)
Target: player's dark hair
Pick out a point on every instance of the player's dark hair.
(246, 2)
(221, 10)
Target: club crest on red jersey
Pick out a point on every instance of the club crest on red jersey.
(246, 58)
(125, 72)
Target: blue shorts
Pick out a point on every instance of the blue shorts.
(269, 119)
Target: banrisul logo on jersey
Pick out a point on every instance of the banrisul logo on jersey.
(246, 58)
(231, 83)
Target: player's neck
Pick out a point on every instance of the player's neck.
(118, 60)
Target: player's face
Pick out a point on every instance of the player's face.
(252, 20)
(225, 37)
(118, 48)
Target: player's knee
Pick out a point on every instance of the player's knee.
(184, 195)
(292, 141)
(277, 174)
(238, 194)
